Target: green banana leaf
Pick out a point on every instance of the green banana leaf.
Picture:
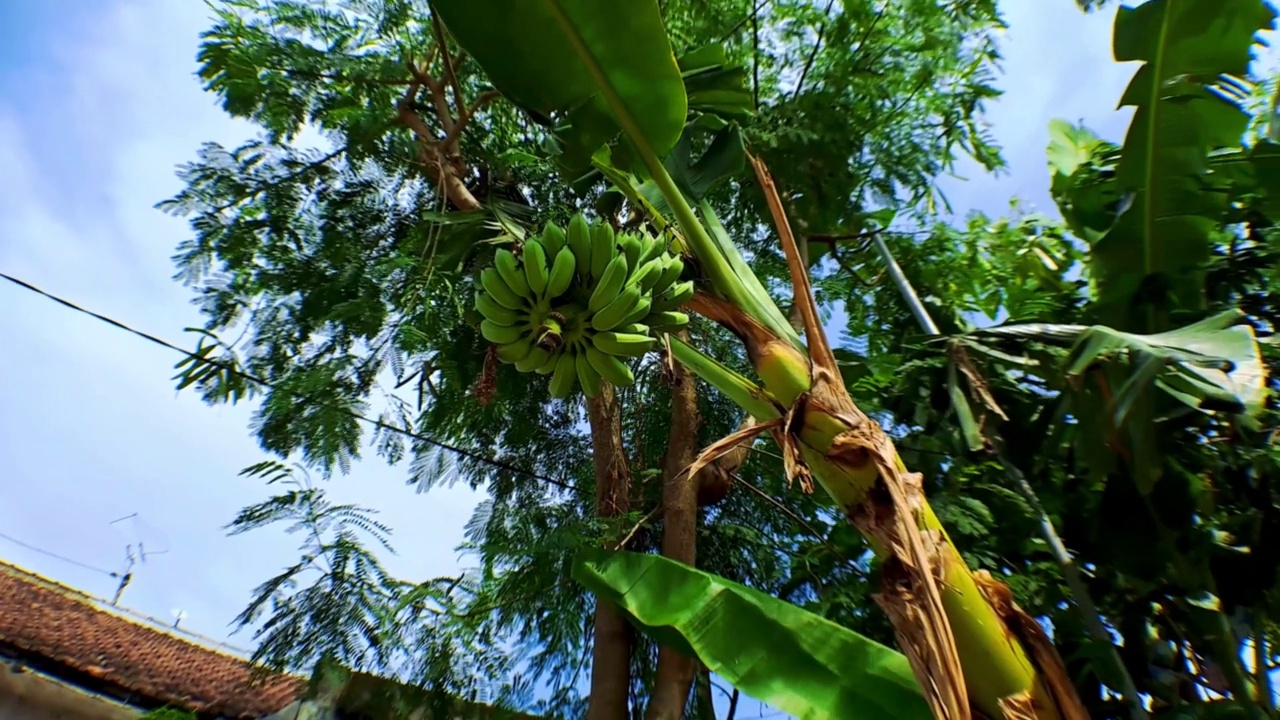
(725, 157)
(1189, 49)
(1250, 174)
(557, 56)
(1083, 179)
(715, 86)
(969, 427)
(792, 659)
(1214, 364)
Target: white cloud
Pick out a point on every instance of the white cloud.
(91, 127)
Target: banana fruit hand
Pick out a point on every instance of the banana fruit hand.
(578, 303)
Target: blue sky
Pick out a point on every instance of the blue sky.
(98, 104)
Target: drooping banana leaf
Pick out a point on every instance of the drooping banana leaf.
(715, 86)
(555, 56)
(1213, 364)
(718, 97)
(1250, 176)
(1082, 170)
(794, 660)
(695, 176)
(1190, 50)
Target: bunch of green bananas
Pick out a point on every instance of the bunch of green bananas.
(574, 304)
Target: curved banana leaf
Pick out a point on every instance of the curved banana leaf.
(1214, 364)
(1190, 49)
(725, 157)
(557, 56)
(1083, 180)
(1250, 176)
(715, 86)
(771, 650)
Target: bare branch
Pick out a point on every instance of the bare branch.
(450, 73)
(465, 116)
(622, 544)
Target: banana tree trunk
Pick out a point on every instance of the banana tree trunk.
(973, 650)
(1089, 613)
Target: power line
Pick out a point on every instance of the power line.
(56, 556)
(260, 381)
(377, 423)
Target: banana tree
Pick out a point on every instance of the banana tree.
(1152, 213)
(972, 649)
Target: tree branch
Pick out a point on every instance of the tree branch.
(622, 544)
(813, 52)
(432, 152)
(339, 77)
(438, 98)
(450, 75)
(464, 117)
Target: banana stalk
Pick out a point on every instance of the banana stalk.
(971, 647)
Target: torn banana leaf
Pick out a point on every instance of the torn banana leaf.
(1213, 364)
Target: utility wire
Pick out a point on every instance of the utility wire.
(56, 556)
(494, 462)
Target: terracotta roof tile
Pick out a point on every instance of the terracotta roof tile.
(61, 626)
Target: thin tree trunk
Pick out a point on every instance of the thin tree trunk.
(1261, 658)
(611, 652)
(675, 671)
(702, 691)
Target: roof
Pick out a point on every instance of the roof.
(70, 629)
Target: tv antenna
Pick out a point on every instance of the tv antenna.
(134, 553)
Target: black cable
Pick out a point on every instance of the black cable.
(235, 371)
(56, 556)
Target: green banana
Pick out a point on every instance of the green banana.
(561, 275)
(536, 272)
(655, 248)
(536, 358)
(667, 319)
(552, 239)
(647, 275)
(491, 310)
(565, 373)
(640, 312)
(633, 328)
(603, 249)
(547, 367)
(671, 270)
(505, 261)
(579, 239)
(501, 334)
(587, 375)
(673, 298)
(516, 351)
(609, 284)
(493, 284)
(618, 309)
(610, 368)
(632, 246)
(623, 344)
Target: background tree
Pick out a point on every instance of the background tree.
(349, 265)
(340, 282)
